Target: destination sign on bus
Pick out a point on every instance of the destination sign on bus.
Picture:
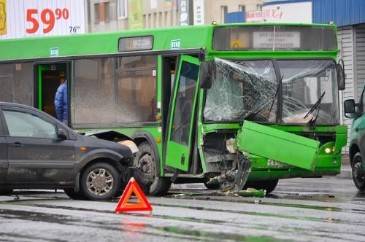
(275, 38)
(135, 43)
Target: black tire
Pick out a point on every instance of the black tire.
(5, 191)
(100, 181)
(268, 185)
(213, 186)
(358, 175)
(145, 160)
(70, 192)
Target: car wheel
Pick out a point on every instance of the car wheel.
(70, 192)
(5, 191)
(100, 181)
(358, 174)
(269, 185)
(145, 160)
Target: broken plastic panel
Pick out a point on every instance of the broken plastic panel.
(268, 142)
(242, 90)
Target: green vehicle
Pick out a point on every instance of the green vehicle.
(357, 142)
(208, 104)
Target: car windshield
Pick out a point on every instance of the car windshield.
(255, 90)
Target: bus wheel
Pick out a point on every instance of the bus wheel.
(358, 174)
(145, 160)
(269, 185)
(212, 186)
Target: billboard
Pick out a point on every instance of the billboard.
(3, 26)
(283, 12)
(30, 18)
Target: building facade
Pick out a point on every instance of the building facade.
(114, 15)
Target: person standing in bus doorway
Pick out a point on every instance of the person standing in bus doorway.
(60, 100)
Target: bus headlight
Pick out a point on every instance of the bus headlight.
(231, 145)
(328, 150)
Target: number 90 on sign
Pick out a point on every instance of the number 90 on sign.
(47, 17)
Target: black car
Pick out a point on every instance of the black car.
(39, 152)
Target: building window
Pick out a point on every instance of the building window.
(224, 10)
(102, 12)
(242, 8)
(122, 9)
(259, 7)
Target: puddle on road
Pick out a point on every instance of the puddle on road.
(134, 230)
(35, 216)
(204, 235)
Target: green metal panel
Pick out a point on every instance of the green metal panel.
(187, 37)
(177, 155)
(277, 145)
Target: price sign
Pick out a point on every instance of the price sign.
(29, 18)
(47, 17)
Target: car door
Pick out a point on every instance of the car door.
(3, 152)
(35, 154)
(179, 140)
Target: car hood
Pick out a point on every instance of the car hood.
(95, 143)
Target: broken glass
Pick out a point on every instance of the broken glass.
(303, 83)
(250, 90)
(242, 90)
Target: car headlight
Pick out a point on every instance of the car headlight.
(231, 145)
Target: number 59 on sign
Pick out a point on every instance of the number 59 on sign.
(46, 17)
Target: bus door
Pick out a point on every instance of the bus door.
(179, 141)
(49, 78)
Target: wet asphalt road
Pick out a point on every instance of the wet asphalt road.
(327, 209)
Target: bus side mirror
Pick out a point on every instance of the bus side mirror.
(350, 108)
(206, 74)
(340, 75)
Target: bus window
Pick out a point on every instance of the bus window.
(120, 90)
(136, 89)
(93, 89)
(16, 81)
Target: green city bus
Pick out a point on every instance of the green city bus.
(195, 99)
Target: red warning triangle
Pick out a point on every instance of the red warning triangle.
(142, 202)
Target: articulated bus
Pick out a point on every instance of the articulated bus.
(183, 95)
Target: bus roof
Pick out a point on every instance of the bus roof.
(90, 44)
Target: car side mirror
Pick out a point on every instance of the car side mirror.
(350, 108)
(340, 70)
(61, 134)
(206, 74)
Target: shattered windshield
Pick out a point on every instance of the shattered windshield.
(242, 90)
(250, 90)
(303, 84)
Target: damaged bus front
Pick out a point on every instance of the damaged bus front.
(273, 113)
